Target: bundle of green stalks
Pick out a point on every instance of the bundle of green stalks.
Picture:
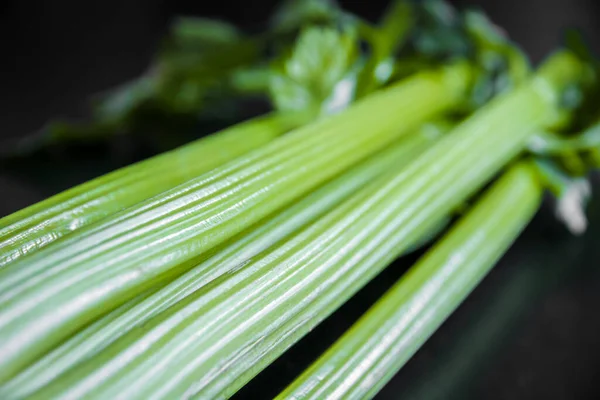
(187, 274)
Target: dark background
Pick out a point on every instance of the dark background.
(528, 332)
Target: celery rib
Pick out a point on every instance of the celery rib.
(101, 333)
(39, 225)
(341, 281)
(84, 275)
(206, 345)
(379, 344)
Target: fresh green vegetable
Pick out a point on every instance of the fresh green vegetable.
(359, 364)
(242, 321)
(550, 143)
(576, 153)
(192, 291)
(318, 75)
(387, 38)
(137, 311)
(329, 282)
(292, 15)
(43, 223)
(57, 290)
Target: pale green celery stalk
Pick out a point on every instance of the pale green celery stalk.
(212, 342)
(138, 310)
(55, 291)
(335, 286)
(367, 356)
(43, 223)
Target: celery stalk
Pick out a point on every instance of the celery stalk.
(56, 291)
(43, 223)
(216, 339)
(359, 364)
(423, 199)
(429, 192)
(98, 335)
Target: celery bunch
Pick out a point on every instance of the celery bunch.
(187, 274)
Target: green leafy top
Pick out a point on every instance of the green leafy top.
(441, 33)
(574, 144)
(564, 157)
(313, 56)
(319, 74)
(293, 15)
(502, 64)
(193, 63)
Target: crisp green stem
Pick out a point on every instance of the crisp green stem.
(56, 291)
(213, 341)
(552, 144)
(577, 153)
(475, 159)
(39, 225)
(251, 81)
(390, 35)
(359, 364)
(139, 310)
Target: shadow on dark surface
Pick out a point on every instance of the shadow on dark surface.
(528, 331)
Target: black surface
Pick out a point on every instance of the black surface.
(528, 332)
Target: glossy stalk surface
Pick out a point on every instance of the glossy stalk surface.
(41, 224)
(475, 165)
(215, 340)
(57, 290)
(239, 250)
(368, 355)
